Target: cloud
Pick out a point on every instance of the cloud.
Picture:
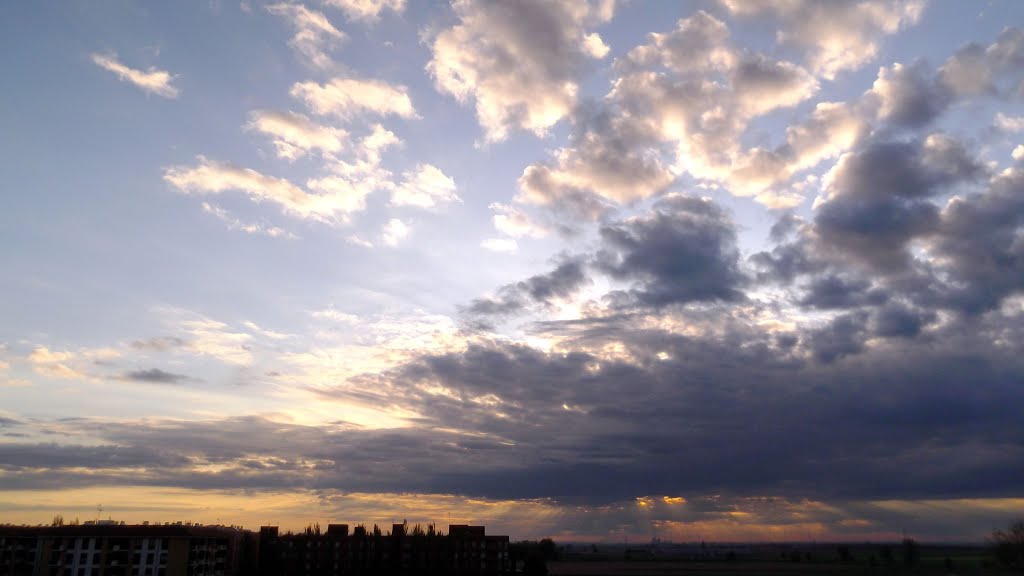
(976, 70)
(909, 95)
(367, 10)
(159, 343)
(683, 251)
(425, 187)
(394, 232)
(152, 80)
(54, 364)
(834, 290)
(1010, 124)
(247, 227)
(295, 134)
(519, 62)
(878, 198)
(332, 199)
(208, 337)
(838, 36)
(542, 289)
(154, 376)
(979, 241)
(359, 241)
(314, 33)
(347, 98)
(514, 222)
(665, 117)
(607, 160)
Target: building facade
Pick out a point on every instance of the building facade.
(114, 549)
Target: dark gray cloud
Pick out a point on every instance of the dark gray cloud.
(879, 199)
(994, 69)
(154, 376)
(824, 417)
(561, 282)
(834, 291)
(682, 251)
(909, 96)
(899, 320)
(979, 237)
(843, 336)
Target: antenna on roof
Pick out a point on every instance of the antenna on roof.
(99, 511)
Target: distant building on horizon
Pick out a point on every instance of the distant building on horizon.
(108, 548)
(465, 550)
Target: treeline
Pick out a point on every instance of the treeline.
(533, 555)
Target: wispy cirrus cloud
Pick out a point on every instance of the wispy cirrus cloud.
(314, 33)
(295, 134)
(151, 80)
(366, 10)
(347, 98)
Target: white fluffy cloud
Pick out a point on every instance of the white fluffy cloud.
(368, 10)
(518, 61)
(295, 134)
(514, 222)
(681, 105)
(347, 98)
(151, 80)
(838, 35)
(314, 33)
(394, 231)
(425, 187)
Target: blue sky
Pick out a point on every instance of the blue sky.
(491, 250)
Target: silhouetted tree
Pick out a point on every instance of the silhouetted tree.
(58, 520)
(1009, 545)
(548, 549)
(911, 552)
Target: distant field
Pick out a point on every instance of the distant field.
(752, 568)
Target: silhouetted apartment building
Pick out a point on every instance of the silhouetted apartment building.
(466, 550)
(116, 549)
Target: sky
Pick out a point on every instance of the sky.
(594, 269)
